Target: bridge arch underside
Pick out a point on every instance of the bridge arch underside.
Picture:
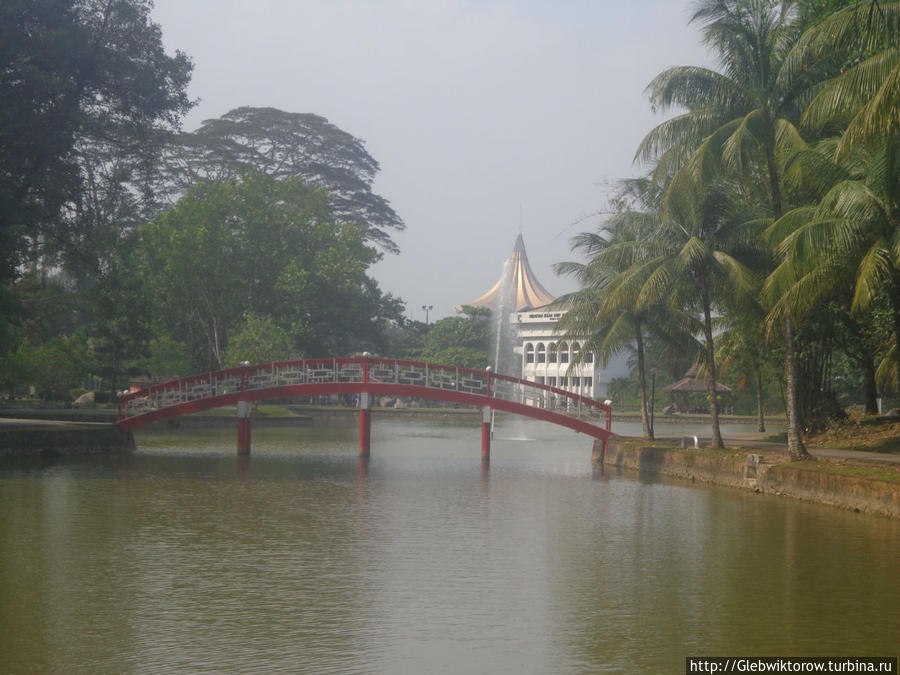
(326, 388)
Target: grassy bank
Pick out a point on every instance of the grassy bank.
(860, 432)
(843, 467)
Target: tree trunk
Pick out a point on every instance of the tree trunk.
(711, 374)
(760, 413)
(642, 381)
(895, 301)
(796, 448)
(870, 387)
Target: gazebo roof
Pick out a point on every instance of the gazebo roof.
(517, 289)
(690, 383)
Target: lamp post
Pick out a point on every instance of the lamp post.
(427, 309)
(652, 400)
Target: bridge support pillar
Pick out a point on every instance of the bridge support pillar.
(486, 435)
(365, 425)
(243, 443)
(598, 451)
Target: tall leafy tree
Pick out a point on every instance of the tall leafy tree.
(89, 94)
(461, 341)
(269, 247)
(285, 145)
(257, 339)
(73, 70)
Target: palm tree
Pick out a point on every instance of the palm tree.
(854, 230)
(865, 37)
(852, 236)
(736, 120)
(700, 245)
(741, 346)
(606, 315)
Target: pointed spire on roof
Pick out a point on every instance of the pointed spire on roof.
(518, 289)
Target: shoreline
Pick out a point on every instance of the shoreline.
(761, 471)
(750, 463)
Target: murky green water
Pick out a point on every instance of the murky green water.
(182, 558)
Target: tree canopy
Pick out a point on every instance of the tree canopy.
(70, 71)
(285, 145)
(779, 165)
(460, 340)
(268, 247)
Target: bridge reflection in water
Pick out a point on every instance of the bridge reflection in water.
(368, 377)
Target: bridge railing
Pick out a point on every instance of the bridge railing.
(360, 370)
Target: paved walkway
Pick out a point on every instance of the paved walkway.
(34, 422)
(757, 440)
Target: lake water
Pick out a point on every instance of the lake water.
(184, 558)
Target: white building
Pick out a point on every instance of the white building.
(534, 348)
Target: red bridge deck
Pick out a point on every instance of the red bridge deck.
(367, 376)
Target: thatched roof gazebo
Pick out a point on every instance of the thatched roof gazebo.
(691, 384)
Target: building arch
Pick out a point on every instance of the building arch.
(563, 349)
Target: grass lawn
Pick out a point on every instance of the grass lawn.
(860, 432)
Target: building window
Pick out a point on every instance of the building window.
(563, 350)
(564, 382)
(541, 353)
(575, 349)
(529, 353)
(589, 357)
(551, 381)
(551, 353)
(540, 380)
(588, 382)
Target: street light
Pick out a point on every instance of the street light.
(427, 309)
(652, 400)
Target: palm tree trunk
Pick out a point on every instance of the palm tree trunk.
(711, 374)
(895, 306)
(870, 386)
(760, 413)
(796, 448)
(642, 381)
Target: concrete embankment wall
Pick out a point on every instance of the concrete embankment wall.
(53, 441)
(759, 473)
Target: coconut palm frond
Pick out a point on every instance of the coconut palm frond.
(873, 274)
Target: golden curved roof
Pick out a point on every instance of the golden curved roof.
(518, 288)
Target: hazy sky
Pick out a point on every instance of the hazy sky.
(488, 117)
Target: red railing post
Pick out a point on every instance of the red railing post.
(243, 444)
(244, 415)
(486, 416)
(365, 413)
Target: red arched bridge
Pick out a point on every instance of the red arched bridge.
(368, 377)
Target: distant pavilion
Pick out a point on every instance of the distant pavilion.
(691, 383)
